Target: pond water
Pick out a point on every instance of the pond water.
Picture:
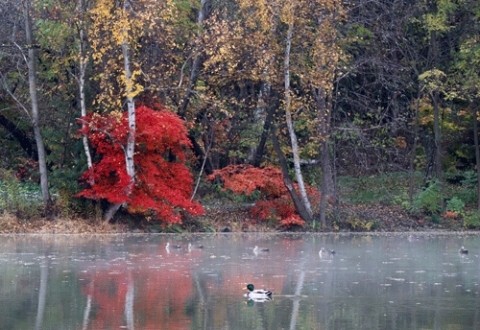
(382, 281)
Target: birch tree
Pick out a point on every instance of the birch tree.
(289, 19)
(114, 32)
(316, 59)
(82, 68)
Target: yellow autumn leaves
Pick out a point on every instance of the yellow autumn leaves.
(114, 26)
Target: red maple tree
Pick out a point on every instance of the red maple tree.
(163, 183)
(274, 202)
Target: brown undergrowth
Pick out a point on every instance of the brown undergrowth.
(221, 217)
(9, 224)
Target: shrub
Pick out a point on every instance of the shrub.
(456, 205)
(20, 198)
(471, 220)
(429, 200)
(274, 201)
(468, 188)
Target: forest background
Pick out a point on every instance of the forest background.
(239, 114)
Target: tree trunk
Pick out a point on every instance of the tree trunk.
(260, 149)
(81, 84)
(196, 62)
(411, 165)
(130, 147)
(477, 152)
(326, 188)
(437, 133)
(182, 109)
(32, 82)
(264, 98)
(27, 144)
(297, 201)
(289, 120)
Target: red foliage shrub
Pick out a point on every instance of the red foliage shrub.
(246, 179)
(162, 186)
(293, 220)
(275, 202)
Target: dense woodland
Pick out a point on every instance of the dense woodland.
(152, 107)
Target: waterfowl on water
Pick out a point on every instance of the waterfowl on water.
(191, 247)
(259, 295)
(257, 250)
(324, 252)
(463, 250)
(174, 246)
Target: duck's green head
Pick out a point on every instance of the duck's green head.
(250, 287)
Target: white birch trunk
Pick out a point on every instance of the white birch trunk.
(130, 148)
(291, 131)
(81, 85)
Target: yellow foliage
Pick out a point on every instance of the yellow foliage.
(113, 26)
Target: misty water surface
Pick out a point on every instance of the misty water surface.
(384, 281)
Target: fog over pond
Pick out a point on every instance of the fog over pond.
(372, 281)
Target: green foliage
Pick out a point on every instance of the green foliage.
(471, 220)
(429, 200)
(65, 184)
(433, 79)
(20, 198)
(439, 20)
(53, 34)
(388, 189)
(469, 179)
(455, 204)
(462, 185)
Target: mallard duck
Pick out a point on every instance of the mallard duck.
(259, 294)
(463, 250)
